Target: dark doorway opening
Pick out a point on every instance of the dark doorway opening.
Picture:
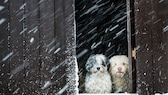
(101, 28)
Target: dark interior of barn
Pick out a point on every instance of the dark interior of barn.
(101, 29)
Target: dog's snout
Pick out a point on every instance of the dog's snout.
(119, 68)
(98, 68)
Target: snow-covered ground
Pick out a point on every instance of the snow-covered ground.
(120, 94)
(112, 94)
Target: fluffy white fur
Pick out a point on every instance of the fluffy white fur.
(98, 79)
(119, 66)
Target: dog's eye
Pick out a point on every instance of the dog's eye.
(123, 63)
(103, 64)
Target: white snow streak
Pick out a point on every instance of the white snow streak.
(24, 30)
(122, 18)
(161, 94)
(82, 53)
(20, 67)
(47, 84)
(31, 40)
(94, 45)
(22, 7)
(57, 50)
(5, 1)
(111, 94)
(56, 67)
(1, 8)
(165, 29)
(62, 90)
(7, 56)
(2, 21)
(161, 1)
(160, 58)
(16, 91)
(34, 30)
(119, 33)
(114, 27)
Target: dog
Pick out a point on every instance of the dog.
(97, 79)
(119, 66)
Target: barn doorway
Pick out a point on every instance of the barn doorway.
(101, 28)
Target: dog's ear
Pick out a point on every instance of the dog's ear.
(110, 67)
(110, 64)
(110, 60)
(92, 55)
(89, 63)
(104, 61)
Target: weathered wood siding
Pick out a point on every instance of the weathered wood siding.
(151, 24)
(33, 46)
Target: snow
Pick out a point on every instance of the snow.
(112, 94)
(47, 84)
(94, 45)
(161, 1)
(114, 27)
(19, 68)
(62, 90)
(22, 7)
(82, 53)
(165, 29)
(2, 20)
(34, 30)
(119, 33)
(161, 94)
(7, 56)
(5, 1)
(57, 50)
(122, 18)
(31, 40)
(160, 58)
(1, 8)
(53, 69)
(51, 49)
(24, 30)
(16, 91)
(120, 94)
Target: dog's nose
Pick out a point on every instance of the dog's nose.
(119, 68)
(98, 68)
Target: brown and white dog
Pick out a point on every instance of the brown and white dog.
(119, 66)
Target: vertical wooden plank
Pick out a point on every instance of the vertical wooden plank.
(72, 68)
(48, 45)
(130, 44)
(5, 54)
(133, 33)
(32, 78)
(17, 44)
(60, 54)
(160, 47)
(144, 63)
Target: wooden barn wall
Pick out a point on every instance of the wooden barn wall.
(151, 25)
(34, 43)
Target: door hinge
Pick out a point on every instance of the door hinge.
(134, 53)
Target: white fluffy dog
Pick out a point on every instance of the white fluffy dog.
(119, 66)
(98, 79)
